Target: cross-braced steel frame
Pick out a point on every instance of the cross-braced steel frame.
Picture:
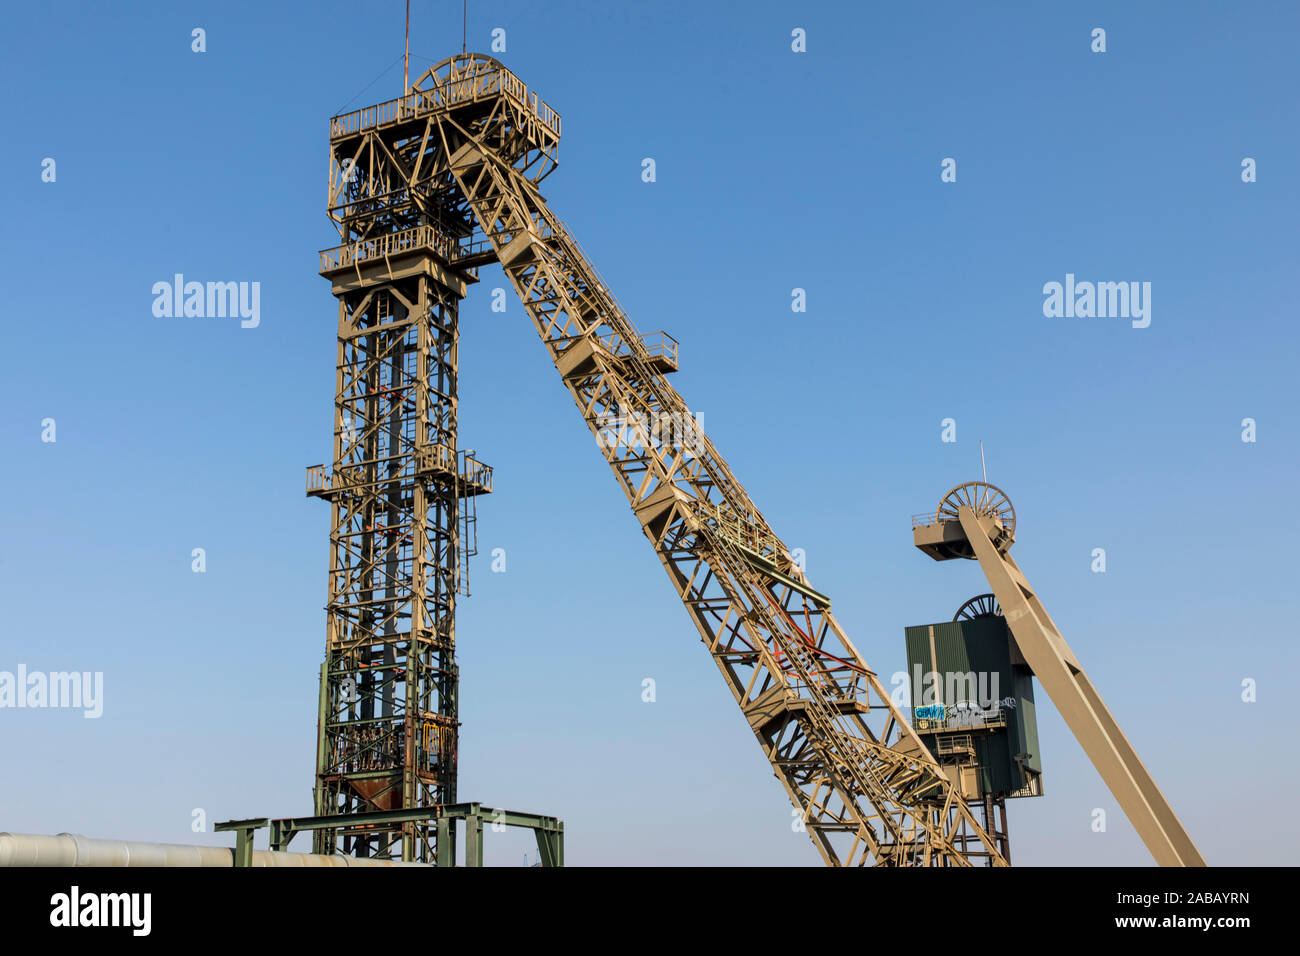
(462, 154)
(401, 493)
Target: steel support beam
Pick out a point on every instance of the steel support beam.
(244, 832)
(1089, 719)
(549, 831)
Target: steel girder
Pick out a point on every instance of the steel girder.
(1062, 675)
(471, 136)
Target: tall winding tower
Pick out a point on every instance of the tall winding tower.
(401, 489)
(424, 190)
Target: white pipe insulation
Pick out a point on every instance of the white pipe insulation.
(72, 849)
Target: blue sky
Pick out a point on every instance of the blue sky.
(775, 170)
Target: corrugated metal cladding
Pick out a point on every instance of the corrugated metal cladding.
(982, 648)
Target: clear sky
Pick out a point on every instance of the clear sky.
(775, 170)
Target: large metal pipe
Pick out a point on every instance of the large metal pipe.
(72, 849)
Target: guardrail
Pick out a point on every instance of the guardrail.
(457, 92)
(473, 471)
(318, 478)
(657, 345)
(957, 744)
(529, 100)
(585, 260)
(936, 717)
(409, 240)
(660, 344)
(837, 689)
(929, 518)
(436, 457)
(740, 530)
(467, 469)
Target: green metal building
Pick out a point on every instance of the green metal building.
(973, 706)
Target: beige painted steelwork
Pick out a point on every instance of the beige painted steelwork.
(401, 488)
(462, 154)
(976, 521)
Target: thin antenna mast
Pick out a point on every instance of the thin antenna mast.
(982, 465)
(406, 56)
(464, 21)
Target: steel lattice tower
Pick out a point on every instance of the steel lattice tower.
(424, 189)
(402, 496)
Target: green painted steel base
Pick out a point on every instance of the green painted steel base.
(244, 830)
(549, 831)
